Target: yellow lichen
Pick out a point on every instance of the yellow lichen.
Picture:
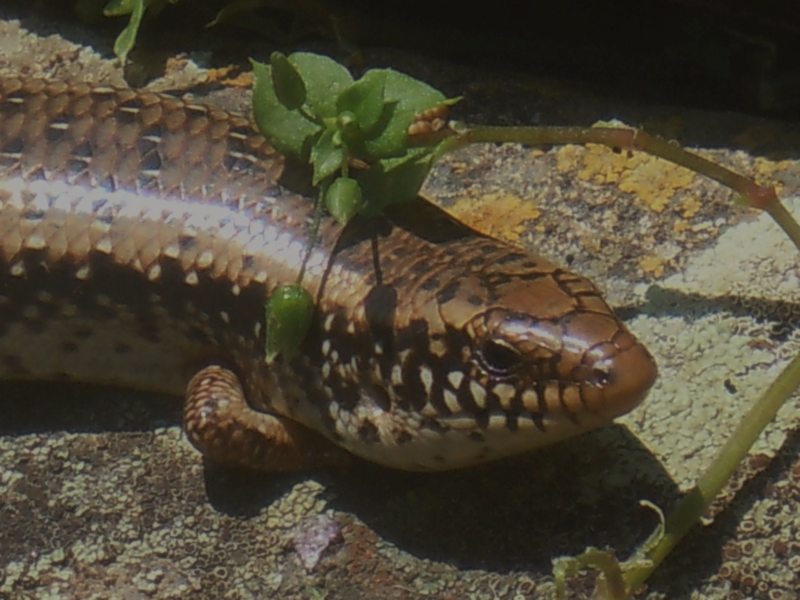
(767, 170)
(652, 265)
(690, 206)
(680, 226)
(501, 215)
(653, 180)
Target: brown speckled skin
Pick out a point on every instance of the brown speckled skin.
(140, 237)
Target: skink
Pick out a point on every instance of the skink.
(140, 236)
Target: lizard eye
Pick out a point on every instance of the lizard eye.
(498, 357)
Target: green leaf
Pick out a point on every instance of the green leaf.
(288, 130)
(289, 312)
(365, 100)
(404, 98)
(234, 9)
(327, 157)
(324, 79)
(394, 180)
(117, 8)
(127, 37)
(343, 199)
(289, 87)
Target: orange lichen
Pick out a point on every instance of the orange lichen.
(502, 215)
(653, 180)
(230, 76)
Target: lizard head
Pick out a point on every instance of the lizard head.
(512, 354)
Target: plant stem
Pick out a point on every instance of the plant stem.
(314, 233)
(692, 506)
(758, 196)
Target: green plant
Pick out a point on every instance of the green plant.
(311, 109)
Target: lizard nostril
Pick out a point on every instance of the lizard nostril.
(623, 380)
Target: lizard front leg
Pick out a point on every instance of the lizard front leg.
(221, 424)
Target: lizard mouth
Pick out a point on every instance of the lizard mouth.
(607, 388)
(585, 369)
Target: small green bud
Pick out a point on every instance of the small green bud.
(364, 100)
(289, 312)
(343, 199)
(350, 130)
